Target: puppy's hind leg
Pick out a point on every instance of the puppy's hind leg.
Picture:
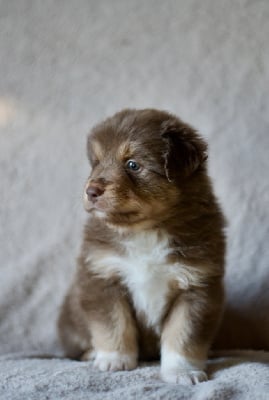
(74, 335)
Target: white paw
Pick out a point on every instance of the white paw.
(114, 361)
(176, 368)
(184, 377)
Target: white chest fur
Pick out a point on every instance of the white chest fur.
(144, 270)
(147, 274)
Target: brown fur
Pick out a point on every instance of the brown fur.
(171, 196)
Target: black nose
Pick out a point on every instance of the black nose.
(93, 192)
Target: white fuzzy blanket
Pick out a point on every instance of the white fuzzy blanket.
(64, 66)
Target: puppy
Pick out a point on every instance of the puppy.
(149, 280)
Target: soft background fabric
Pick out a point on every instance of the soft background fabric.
(64, 65)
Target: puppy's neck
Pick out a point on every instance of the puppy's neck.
(133, 229)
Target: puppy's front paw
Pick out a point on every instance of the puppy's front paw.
(184, 377)
(114, 361)
(176, 368)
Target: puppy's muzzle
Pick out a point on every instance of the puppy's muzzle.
(94, 191)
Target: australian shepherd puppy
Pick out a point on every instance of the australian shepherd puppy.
(149, 279)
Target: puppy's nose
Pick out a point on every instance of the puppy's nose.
(93, 192)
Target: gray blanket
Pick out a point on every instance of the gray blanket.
(32, 376)
(64, 66)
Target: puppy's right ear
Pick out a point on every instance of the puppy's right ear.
(185, 151)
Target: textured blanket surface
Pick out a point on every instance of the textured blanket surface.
(64, 66)
(29, 376)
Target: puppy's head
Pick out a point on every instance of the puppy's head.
(141, 160)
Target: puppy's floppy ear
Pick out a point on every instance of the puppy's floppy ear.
(185, 151)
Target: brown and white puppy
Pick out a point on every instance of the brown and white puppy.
(149, 277)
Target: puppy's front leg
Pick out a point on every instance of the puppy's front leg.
(187, 334)
(114, 337)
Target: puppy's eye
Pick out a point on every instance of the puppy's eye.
(133, 165)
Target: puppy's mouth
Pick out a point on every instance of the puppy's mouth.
(110, 210)
(98, 205)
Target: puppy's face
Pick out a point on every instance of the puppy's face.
(139, 160)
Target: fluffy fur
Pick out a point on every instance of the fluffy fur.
(149, 281)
